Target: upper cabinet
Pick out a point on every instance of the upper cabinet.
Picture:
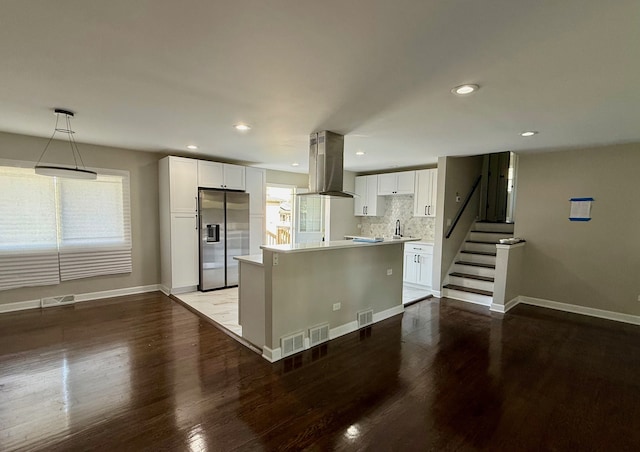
(424, 200)
(256, 187)
(221, 175)
(183, 181)
(401, 183)
(367, 202)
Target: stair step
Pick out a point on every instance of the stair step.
(475, 264)
(469, 289)
(494, 232)
(481, 253)
(484, 242)
(470, 276)
(488, 226)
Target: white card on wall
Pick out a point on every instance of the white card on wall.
(580, 209)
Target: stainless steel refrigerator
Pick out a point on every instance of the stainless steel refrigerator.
(224, 233)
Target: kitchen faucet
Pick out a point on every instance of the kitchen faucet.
(397, 228)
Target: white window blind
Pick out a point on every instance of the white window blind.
(28, 232)
(54, 229)
(94, 226)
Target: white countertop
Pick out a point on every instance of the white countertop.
(336, 244)
(250, 259)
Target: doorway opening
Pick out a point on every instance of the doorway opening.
(293, 219)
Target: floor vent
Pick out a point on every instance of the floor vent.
(318, 334)
(365, 318)
(57, 301)
(292, 344)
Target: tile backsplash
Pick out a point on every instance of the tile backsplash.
(399, 207)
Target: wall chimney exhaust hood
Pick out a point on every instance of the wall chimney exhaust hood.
(326, 160)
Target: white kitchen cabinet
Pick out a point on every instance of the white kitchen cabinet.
(256, 187)
(256, 181)
(184, 250)
(183, 186)
(367, 203)
(418, 264)
(402, 183)
(424, 199)
(221, 175)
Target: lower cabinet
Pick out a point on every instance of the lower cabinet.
(418, 264)
(184, 250)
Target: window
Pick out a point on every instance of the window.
(54, 229)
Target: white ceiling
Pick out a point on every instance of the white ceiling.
(157, 75)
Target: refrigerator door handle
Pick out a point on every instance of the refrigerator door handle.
(213, 233)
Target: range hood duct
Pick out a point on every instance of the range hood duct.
(326, 160)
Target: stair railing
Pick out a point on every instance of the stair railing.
(463, 207)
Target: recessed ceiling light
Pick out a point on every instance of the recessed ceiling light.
(242, 127)
(360, 153)
(295, 164)
(193, 147)
(529, 133)
(463, 90)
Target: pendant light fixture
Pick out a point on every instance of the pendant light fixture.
(64, 171)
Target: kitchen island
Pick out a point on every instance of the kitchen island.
(293, 297)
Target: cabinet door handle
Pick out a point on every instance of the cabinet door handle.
(418, 258)
(196, 222)
(429, 210)
(196, 198)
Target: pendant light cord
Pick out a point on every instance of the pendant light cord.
(55, 129)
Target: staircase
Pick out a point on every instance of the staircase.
(472, 274)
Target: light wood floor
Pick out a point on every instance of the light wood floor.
(144, 373)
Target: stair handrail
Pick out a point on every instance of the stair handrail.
(463, 207)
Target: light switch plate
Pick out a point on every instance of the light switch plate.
(337, 306)
(389, 271)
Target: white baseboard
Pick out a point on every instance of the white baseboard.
(383, 315)
(164, 289)
(436, 293)
(20, 305)
(276, 354)
(343, 329)
(593, 312)
(32, 304)
(505, 307)
(271, 355)
(116, 292)
(180, 290)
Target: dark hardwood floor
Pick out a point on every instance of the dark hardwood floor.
(144, 373)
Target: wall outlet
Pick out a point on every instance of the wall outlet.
(638, 297)
(359, 226)
(337, 306)
(275, 259)
(389, 271)
(448, 221)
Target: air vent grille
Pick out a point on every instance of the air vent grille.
(57, 301)
(292, 344)
(318, 334)
(365, 318)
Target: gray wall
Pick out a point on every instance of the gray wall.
(594, 264)
(287, 178)
(455, 175)
(143, 168)
(341, 219)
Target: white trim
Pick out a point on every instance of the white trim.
(32, 304)
(186, 289)
(454, 294)
(507, 246)
(20, 305)
(343, 329)
(593, 312)
(116, 292)
(383, 315)
(495, 307)
(271, 355)
(164, 289)
(437, 293)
